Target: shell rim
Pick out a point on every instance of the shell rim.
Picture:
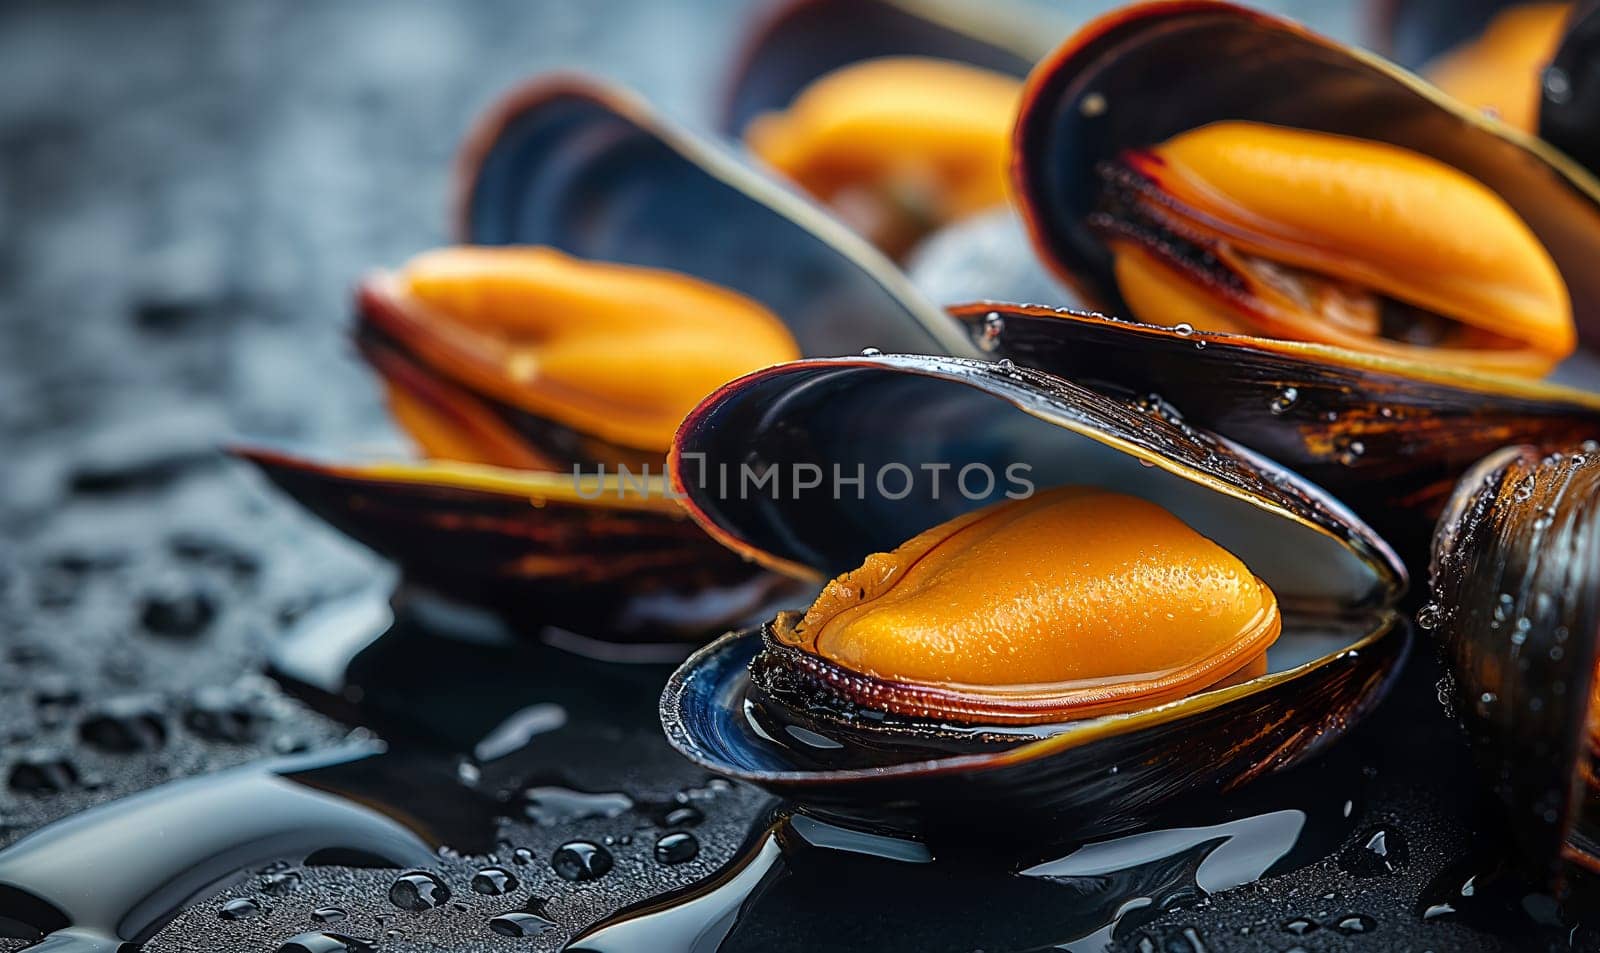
(1094, 729)
(720, 164)
(1311, 351)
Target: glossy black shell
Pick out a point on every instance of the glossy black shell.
(1515, 603)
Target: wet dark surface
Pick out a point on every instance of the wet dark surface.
(188, 191)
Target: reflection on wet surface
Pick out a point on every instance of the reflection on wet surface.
(491, 740)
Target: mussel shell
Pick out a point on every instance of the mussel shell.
(604, 568)
(589, 169)
(1569, 103)
(798, 41)
(1388, 437)
(1516, 606)
(1320, 560)
(1143, 74)
(1088, 778)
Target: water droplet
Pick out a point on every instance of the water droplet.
(225, 715)
(522, 855)
(580, 860)
(519, 923)
(993, 326)
(1356, 923)
(870, 352)
(1006, 366)
(280, 884)
(1300, 926)
(1183, 329)
(1438, 911)
(418, 890)
(126, 725)
(1377, 853)
(1429, 616)
(1525, 488)
(1557, 85)
(239, 908)
(324, 943)
(43, 772)
(1285, 401)
(177, 613)
(328, 914)
(493, 881)
(1350, 451)
(677, 848)
(555, 805)
(682, 815)
(55, 691)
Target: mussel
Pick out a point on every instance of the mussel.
(1378, 264)
(1530, 63)
(542, 370)
(1067, 606)
(1501, 69)
(894, 113)
(1515, 604)
(1262, 229)
(1269, 181)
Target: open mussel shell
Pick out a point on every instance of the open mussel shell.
(798, 41)
(1332, 575)
(1388, 437)
(1143, 74)
(541, 548)
(591, 170)
(1515, 603)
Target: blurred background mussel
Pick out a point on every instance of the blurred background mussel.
(894, 113)
(1360, 276)
(905, 744)
(1534, 64)
(618, 269)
